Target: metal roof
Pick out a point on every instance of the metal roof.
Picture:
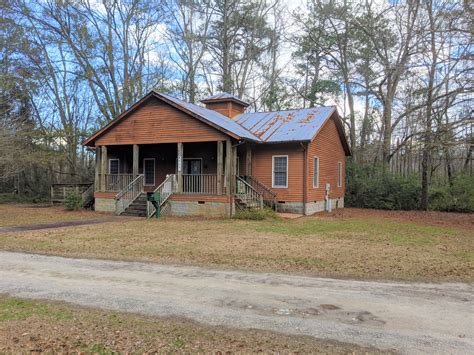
(213, 117)
(286, 126)
(225, 96)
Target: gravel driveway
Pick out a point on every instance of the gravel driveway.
(411, 318)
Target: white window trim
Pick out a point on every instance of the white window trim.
(339, 173)
(316, 186)
(273, 172)
(154, 172)
(118, 165)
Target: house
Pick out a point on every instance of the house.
(213, 160)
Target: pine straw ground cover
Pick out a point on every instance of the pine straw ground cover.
(365, 244)
(38, 326)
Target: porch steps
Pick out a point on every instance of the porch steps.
(137, 208)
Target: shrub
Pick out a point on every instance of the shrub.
(256, 215)
(372, 187)
(73, 201)
(458, 197)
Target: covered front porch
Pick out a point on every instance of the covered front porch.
(197, 172)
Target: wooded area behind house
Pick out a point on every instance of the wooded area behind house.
(400, 73)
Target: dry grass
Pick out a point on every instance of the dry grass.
(21, 215)
(37, 326)
(362, 244)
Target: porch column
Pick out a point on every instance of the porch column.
(228, 167)
(234, 170)
(136, 151)
(220, 164)
(103, 168)
(248, 160)
(97, 170)
(180, 167)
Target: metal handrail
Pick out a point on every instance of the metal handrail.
(128, 194)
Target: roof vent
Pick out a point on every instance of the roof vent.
(226, 104)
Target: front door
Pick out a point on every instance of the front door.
(192, 169)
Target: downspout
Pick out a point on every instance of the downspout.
(305, 173)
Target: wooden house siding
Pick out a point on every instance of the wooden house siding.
(262, 169)
(229, 109)
(328, 148)
(158, 122)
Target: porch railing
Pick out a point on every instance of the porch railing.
(248, 196)
(202, 184)
(268, 195)
(128, 194)
(166, 189)
(117, 182)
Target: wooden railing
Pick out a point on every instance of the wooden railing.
(202, 184)
(128, 194)
(87, 196)
(166, 189)
(268, 195)
(117, 182)
(60, 191)
(248, 196)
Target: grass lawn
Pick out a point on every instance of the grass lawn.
(365, 244)
(25, 215)
(38, 326)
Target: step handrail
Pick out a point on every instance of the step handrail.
(87, 195)
(269, 196)
(167, 188)
(248, 194)
(128, 194)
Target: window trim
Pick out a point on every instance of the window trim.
(154, 172)
(339, 173)
(316, 186)
(118, 165)
(273, 172)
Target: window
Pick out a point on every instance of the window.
(280, 171)
(339, 174)
(149, 171)
(114, 166)
(316, 172)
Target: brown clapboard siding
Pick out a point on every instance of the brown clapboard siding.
(158, 122)
(228, 108)
(262, 169)
(328, 147)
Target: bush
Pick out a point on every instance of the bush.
(256, 215)
(22, 198)
(372, 187)
(73, 201)
(459, 197)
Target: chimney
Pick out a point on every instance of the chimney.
(226, 104)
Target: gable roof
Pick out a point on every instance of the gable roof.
(299, 125)
(224, 96)
(212, 118)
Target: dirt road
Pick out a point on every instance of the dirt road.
(410, 318)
